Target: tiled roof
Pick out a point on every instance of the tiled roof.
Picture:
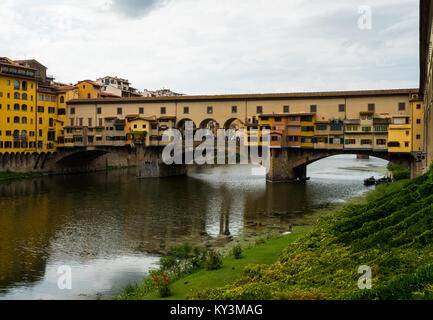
(108, 94)
(243, 97)
(94, 83)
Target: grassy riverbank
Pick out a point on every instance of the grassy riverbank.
(265, 253)
(392, 233)
(16, 176)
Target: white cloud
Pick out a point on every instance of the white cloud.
(218, 46)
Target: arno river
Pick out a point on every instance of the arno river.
(111, 227)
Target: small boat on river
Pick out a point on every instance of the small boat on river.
(373, 181)
(370, 181)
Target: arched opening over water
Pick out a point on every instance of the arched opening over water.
(348, 167)
(80, 157)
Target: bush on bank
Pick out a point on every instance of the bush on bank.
(179, 261)
(392, 234)
(398, 172)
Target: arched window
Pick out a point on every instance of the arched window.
(62, 99)
(16, 119)
(16, 85)
(24, 134)
(16, 95)
(24, 120)
(24, 86)
(16, 134)
(24, 96)
(24, 107)
(16, 107)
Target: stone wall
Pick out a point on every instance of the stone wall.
(150, 165)
(52, 163)
(286, 165)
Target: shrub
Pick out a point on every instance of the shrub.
(163, 285)
(183, 259)
(214, 260)
(168, 263)
(198, 258)
(401, 174)
(237, 251)
(398, 172)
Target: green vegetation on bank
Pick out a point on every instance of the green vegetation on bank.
(15, 175)
(265, 252)
(398, 172)
(392, 234)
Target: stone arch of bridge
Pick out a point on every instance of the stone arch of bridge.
(77, 158)
(233, 123)
(210, 124)
(181, 124)
(403, 160)
(289, 164)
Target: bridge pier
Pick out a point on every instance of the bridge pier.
(285, 166)
(150, 164)
(418, 168)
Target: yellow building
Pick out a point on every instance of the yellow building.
(88, 89)
(47, 124)
(307, 130)
(321, 137)
(252, 134)
(359, 133)
(17, 107)
(139, 131)
(63, 95)
(399, 135)
(418, 123)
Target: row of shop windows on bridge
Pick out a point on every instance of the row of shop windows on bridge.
(335, 141)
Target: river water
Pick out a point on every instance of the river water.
(110, 228)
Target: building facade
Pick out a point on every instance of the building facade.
(118, 87)
(18, 101)
(426, 74)
(382, 120)
(33, 111)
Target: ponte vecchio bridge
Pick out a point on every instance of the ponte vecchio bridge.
(304, 127)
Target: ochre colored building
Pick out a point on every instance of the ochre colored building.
(18, 100)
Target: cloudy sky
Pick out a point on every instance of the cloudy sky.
(224, 46)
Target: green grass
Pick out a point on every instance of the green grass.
(392, 233)
(266, 253)
(15, 175)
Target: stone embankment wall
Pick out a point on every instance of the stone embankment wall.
(52, 163)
